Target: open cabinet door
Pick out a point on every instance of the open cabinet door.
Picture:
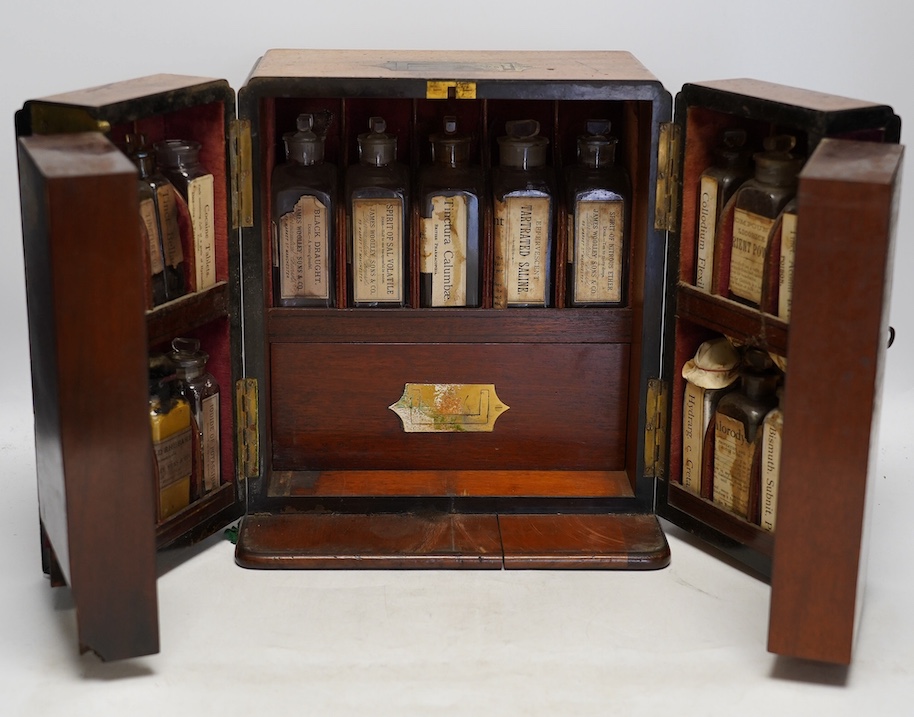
(86, 302)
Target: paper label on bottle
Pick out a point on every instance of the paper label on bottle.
(747, 260)
(707, 231)
(209, 439)
(168, 219)
(174, 457)
(304, 247)
(692, 436)
(785, 268)
(200, 203)
(772, 431)
(151, 231)
(521, 250)
(598, 251)
(377, 250)
(732, 465)
(444, 249)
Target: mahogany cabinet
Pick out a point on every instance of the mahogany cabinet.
(586, 450)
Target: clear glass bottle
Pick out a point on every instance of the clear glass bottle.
(198, 387)
(172, 439)
(732, 166)
(179, 161)
(598, 200)
(737, 421)
(523, 190)
(757, 205)
(165, 238)
(449, 191)
(304, 227)
(377, 196)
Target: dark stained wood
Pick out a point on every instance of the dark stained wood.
(178, 317)
(324, 541)
(590, 542)
(209, 513)
(94, 454)
(826, 460)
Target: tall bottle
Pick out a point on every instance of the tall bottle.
(757, 205)
(377, 195)
(737, 421)
(149, 225)
(172, 439)
(198, 387)
(523, 190)
(599, 206)
(179, 161)
(449, 191)
(731, 167)
(304, 230)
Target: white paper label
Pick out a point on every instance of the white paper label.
(168, 220)
(151, 230)
(598, 251)
(377, 250)
(772, 430)
(209, 439)
(707, 231)
(747, 261)
(444, 249)
(304, 247)
(732, 465)
(174, 457)
(521, 250)
(692, 437)
(200, 206)
(785, 269)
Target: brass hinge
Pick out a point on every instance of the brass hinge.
(669, 177)
(242, 177)
(450, 89)
(62, 119)
(655, 428)
(246, 424)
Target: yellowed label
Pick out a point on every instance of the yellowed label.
(747, 261)
(692, 436)
(598, 251)
(304, 247)
(444, 249)
(151, 230)
(377, 250)
(521, 250)
(168, 220)
(209, 439)
(772, 431)
(174, 457)
(448, 407)
(706, 232)
(732, 465)
(785, 270)
(200, 204)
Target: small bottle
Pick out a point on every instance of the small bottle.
(198, 387)
(757, 205)
(736, 425)
(732, 167)
(179, 161)
(599, 200)
(172, 439)
(304, 230)
(165, 238)
(377, 193)
(772, 434)
(787, 258)
(449, 192)
(523, 190)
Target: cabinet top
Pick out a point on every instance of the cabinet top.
(785, 95)
(117, 92)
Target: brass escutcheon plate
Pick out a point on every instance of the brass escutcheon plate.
(448, 407)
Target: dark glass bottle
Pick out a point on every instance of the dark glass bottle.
(304, 230)
(179, 162)
(523, 191)
(757, 205)
(377, 195)
(449, 191)
(732, 167)
(598, 200)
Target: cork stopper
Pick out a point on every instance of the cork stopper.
(522, 147)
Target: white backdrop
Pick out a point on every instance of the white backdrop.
(860, 50)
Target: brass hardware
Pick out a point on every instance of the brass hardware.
(669, 177)
(246, 422)
(655, 428)
(242, 177)
(60, 119)
(450, 89)
(448, 407)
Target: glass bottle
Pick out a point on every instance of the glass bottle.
(377, 193)
(770, 463)
(598, 200)
(304, 230)
(198, 387)
(786, 259)
(449, 191)
(165, 237)
(757, 205)
(179, 161)
(523, 190)
(736, 424)
(172, 439)
(732, 167)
